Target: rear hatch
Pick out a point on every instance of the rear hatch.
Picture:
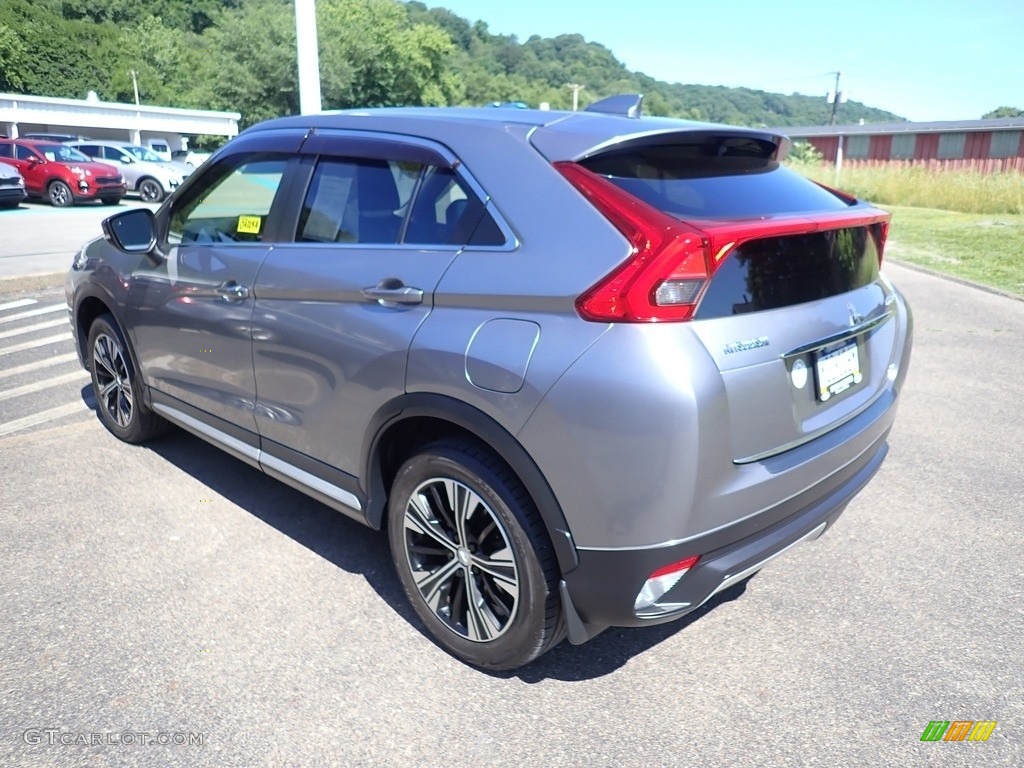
(777, 276)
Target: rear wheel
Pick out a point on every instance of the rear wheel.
(117, 387)
(150, 191)
(473, 556)
(60, 194)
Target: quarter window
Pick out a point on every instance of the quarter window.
(233, 206)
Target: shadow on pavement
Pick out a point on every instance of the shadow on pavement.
(360, 550)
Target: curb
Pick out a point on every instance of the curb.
(37, 282)
(953, 278)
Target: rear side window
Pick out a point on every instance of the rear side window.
(7, 150)
(713, 178)
(373, 201)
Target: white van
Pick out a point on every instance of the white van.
(161, 147)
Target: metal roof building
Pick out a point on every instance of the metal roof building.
(21, 114)
(984, 145)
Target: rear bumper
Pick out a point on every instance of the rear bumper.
(601, 592)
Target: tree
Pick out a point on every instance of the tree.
(1003, 112)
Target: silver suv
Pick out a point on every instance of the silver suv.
(587, 369)
(153, 181)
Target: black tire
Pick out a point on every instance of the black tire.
(111, 200)
(59, 194)
(518, 614)
(117, 389)
(150, 191)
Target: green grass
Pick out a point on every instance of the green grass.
(963, 223)
(923, 187)
(984, 248)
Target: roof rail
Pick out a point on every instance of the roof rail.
(625, 104)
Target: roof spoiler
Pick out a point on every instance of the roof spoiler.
(624, 104)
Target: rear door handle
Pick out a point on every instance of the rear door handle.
(392, 292)
(232, 291)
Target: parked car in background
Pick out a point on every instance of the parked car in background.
(190, 157)
(148, 155)
(588, 369)
(153, 181)
(61, 174)
(12, 186)
(161, 147)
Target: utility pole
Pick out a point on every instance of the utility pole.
(135, 85)
(576, 88)
(309, 57)
(835, 99)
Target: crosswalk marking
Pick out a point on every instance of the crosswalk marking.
(39, 386)
(33, 328)
(9, 427)
(50, 361)
(34, 313)
(34, 344)
(18, 303)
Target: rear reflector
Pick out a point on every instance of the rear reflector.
(661, 581)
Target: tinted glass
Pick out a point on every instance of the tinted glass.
(24, 153)
(232, 205)
(708, 180)
(357, 201)
(777, 272)
(6, 150)
(446, 212)
(91, 150)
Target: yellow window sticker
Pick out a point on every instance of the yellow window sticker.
(249, 225)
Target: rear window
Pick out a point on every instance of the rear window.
(714, 177)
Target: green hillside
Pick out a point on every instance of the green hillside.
(239, 55)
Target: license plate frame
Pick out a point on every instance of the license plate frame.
(837, 369)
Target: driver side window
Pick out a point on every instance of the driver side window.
(232, 206)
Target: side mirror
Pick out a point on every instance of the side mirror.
(127, 160)
(131, 231)
(33, 160)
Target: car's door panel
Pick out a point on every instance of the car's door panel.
(335, 316)
(191, 312)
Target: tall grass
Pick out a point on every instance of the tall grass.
(923, 187)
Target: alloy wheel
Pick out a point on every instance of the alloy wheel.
(113, 379)
(461, 560)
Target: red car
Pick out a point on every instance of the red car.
(62, 174)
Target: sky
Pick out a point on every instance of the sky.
(922, 60)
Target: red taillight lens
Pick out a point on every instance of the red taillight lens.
(682, 565)
(669, 267)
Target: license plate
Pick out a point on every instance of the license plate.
(838, 370)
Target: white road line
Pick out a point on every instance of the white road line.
(32, 328)
(39, 386)
(34, 313)
(33, 344)
(16, 304)
(48, 362)
(42, 417)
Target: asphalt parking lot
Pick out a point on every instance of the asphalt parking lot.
(173, 590)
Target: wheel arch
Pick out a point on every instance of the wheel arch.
(92, 302)
(411, 421)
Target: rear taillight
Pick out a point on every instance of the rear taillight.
(667, 270)
(661, 581)
(672, 261)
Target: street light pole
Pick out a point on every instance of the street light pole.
(309, 57)
(135, 85)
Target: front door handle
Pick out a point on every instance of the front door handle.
(232, 291)
(392, 292)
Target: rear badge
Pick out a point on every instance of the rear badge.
(799, 374)
(743, 346)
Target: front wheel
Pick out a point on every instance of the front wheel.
(60, 194)
(150, 191)
(473, 556)
(116, 386)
